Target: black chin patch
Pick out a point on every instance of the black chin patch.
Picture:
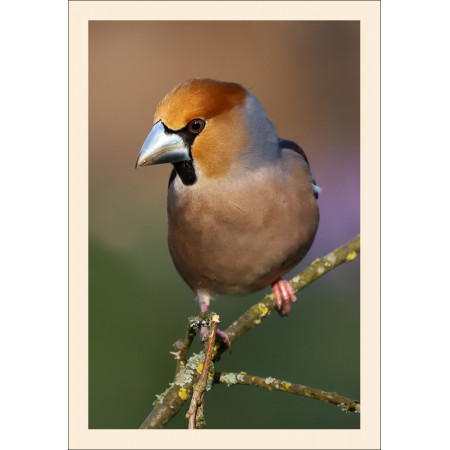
(172, 177)
(186, 171)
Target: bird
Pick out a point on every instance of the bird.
(242, 203)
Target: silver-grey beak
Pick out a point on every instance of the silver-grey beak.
(161, 147)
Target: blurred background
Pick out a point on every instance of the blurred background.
(306, 75)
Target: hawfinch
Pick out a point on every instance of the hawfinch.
(242, 203)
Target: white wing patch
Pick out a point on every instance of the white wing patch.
(317, 189)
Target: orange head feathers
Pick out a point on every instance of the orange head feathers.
(203, 127)
(198, 98)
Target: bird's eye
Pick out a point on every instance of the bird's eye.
(196, 126)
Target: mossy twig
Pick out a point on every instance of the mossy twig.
(272, 384)
(183, 346)
(254, 315)
(195, 415)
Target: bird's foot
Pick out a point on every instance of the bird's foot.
(284, 293)
(219, 333)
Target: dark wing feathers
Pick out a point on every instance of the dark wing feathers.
(284, 143)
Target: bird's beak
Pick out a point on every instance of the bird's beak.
(161, 147)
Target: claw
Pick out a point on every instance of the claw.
(284, 293)
(219, 333)
(226, 340)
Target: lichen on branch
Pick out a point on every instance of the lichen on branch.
(170, 402)
(195, 415)
(273, 384)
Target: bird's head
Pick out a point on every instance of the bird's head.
(209, 128)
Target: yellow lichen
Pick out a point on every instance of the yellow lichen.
(243, 373)
(263, 309)
(200, 368)
(285, 386)
(351, 256)
(183, 393)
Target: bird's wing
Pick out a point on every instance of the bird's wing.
(284, 143)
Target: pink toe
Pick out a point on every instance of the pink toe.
(284, 291)
(224, 336)
(276, 291)
(291, 293)
(284, 294)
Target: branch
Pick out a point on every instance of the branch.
(170, 401)
(183, 347)
(195, 415)
(228, 378)
(318, 268)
